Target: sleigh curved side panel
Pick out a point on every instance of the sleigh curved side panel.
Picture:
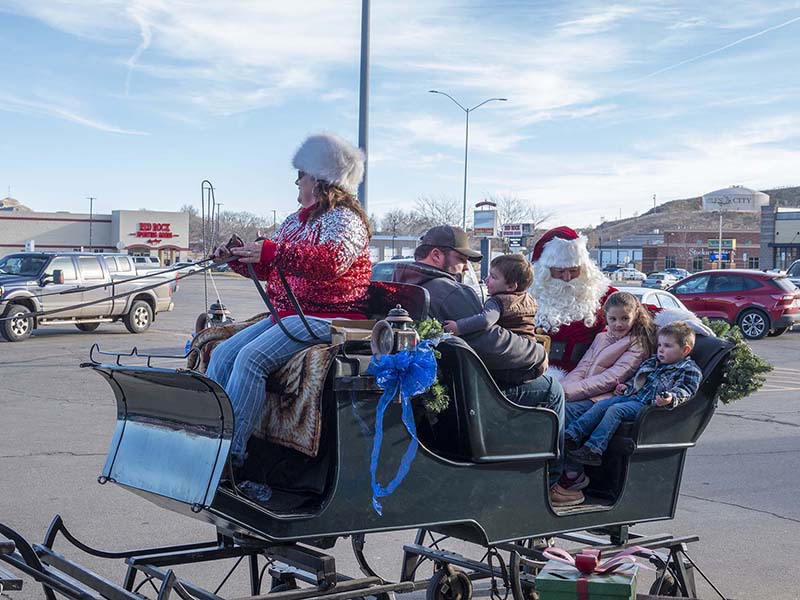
(172, 436)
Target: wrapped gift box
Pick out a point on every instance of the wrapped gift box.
(558, 581)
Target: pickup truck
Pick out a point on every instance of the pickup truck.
(29, 282)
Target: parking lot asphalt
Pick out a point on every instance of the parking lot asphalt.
(740, 488)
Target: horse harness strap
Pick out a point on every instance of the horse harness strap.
(274, 313)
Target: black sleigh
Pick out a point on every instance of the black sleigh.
(480, 475)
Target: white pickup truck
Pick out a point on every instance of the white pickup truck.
(29, 282)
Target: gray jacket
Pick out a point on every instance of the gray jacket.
(512, 359)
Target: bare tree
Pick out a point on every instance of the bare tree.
(438, 211)
(246, 225)
(400, 222)
(511, 209)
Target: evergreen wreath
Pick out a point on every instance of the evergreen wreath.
(744, 372)
(435, 399)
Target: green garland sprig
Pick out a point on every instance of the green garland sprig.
(745, 371)
(435, 398)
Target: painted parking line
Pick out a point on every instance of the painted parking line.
(779, 389)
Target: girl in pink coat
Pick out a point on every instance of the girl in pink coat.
(613, 357)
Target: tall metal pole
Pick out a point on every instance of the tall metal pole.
(466, 147)
(719, 257)
(466, 141)
(363, 103)
(91, 212)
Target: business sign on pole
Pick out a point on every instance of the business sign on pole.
(714, 256)
(713, 243)
(511, 230)
(484, 223)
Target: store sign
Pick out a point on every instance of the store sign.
(154, 232)
(713, 256)
(726, 244)
(511, 230)
(484, 223)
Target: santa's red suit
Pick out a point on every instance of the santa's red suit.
(571, 313)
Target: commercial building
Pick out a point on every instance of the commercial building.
(698, 250)
(137, 232)
(780, 237)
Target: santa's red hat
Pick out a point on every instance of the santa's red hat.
(561, 247)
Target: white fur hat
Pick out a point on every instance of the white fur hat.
(328, 157)
(561, 247)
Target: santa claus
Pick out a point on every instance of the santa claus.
(571, 291)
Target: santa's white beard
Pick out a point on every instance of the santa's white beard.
(562, 302)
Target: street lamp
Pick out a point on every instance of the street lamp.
(466, 142)
(618, 241)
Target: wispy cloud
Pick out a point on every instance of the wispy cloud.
(138, 15)
(18, 105)
(718, 50)
(597, 22)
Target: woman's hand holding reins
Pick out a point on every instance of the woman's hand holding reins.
(249, 253)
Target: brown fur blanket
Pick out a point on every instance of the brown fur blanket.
(292, 413)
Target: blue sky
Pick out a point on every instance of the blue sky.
(136, 102)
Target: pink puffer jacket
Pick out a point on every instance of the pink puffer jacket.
(608, 361)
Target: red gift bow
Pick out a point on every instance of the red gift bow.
(588, 563)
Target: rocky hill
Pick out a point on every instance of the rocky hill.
(687, 214)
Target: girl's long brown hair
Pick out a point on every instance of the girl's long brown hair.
(330, 196)
(643, 330)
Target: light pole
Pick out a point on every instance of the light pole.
(363, 101)
(618, 241)
(466, 142)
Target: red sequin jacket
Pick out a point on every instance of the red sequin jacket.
(325, 261)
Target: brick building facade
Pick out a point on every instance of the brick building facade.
(693, 250)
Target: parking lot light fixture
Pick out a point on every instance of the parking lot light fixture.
(466, 141)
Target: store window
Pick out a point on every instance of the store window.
(697, 263)
(669, 262)
(752, 262)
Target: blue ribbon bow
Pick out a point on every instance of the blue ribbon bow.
(409, 372)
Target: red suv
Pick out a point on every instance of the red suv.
(759, 303)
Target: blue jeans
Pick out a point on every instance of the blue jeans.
(242, 363)
(602, 420)
(544, 391)
(572, 411)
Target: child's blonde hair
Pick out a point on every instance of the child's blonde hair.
(643, 329)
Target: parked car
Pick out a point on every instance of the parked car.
(759, 303)
(29, 282)
(660, 280)
(677, 273)
(653, 297)
(186, 267)
(793, 273)
(144, 263)
(628, 274)
(610, 268)
(384, 271)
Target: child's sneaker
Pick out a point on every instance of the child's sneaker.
(587, 456)
(571, 443)
(579, 483)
